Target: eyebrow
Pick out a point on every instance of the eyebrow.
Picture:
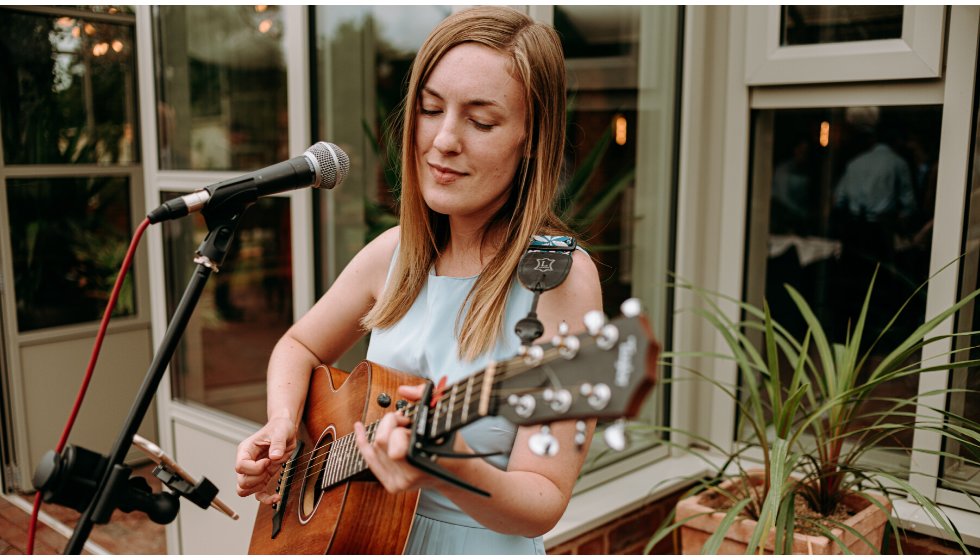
(470, 103)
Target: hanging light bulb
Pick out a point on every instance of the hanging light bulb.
(620, 130)
(825, 134)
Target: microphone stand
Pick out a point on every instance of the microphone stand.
(222, 223)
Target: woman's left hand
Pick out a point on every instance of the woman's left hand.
(386, 455)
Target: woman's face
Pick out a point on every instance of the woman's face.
(469, 132)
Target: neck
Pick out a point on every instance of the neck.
(469, 248)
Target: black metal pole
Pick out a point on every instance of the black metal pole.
(154, 375)
(222, 222)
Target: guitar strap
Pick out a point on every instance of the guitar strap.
(543, 267)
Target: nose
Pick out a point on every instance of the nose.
(447, 138)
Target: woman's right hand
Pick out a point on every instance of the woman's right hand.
(261, 455)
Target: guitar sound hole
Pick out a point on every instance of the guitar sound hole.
(312, 488)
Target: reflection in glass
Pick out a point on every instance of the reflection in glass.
(601, 47)
(68, 90)
(245, 308)
(221, 80)
(808, 25)
(851, 191)
(69, 237)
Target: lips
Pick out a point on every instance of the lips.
(444, 175)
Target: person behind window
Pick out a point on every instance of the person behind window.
(484, 128)
(875, 205)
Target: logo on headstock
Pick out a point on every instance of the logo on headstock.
(624, 361)
(545, 265)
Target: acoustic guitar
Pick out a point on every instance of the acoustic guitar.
(330, 502)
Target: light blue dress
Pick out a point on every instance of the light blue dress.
(424, 343)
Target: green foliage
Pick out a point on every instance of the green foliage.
(813, 431)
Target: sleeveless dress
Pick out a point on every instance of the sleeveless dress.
(424, 343)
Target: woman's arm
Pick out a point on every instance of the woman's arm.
(321, 336)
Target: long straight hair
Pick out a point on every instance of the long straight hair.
(538, 63)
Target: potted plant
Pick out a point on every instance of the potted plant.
(804, 422)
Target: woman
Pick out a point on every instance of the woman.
(482, 150)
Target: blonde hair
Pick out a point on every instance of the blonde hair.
(538, 63)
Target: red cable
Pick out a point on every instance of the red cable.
(96, 348)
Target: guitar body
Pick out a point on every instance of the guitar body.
(356, 516)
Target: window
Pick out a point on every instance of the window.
(838, 194)
(808, 25)
(72, 96)
(221, 87)
(818, 44)
(68, 100)
(222, 105)
(69, 238)
(245, 308)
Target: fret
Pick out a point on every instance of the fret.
(452, 407)
(466, 398)
(434, 423)
(329, 466)
(487, 388)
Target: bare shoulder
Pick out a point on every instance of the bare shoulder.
(570, 300)
(371, 263)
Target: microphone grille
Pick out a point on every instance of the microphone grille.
(332, 164)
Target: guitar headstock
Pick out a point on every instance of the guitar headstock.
(605, 372)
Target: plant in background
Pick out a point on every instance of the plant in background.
(813, 409)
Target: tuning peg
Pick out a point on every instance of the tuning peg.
(594, 320)
(597, 395)
(523, 405)
(543, 444)
(631, 308)
(532, 354)
(580, 433)
(567, 345)
(615, 435)
(560, 400)
(608, 337)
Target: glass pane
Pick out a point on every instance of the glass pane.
(838, 193)
(601, 46)
(69, 92)
(245, 308)
(962, 468)
(221, 85)
(69, 237)
(604, 50)
(808, 25)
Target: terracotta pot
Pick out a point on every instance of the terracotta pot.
(869, 521)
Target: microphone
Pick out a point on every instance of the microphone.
(322, 165)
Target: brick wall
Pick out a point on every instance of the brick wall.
(627, 535)
(630, 534)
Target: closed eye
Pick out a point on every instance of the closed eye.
(482, 126)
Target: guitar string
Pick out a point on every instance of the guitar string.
(502, 374)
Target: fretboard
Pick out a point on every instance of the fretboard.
(460, 404)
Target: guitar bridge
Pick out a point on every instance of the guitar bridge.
(282, 488)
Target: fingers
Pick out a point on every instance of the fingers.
(280, 436)
(385, 455)
(411, 392)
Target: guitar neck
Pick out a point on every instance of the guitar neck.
(458, 405)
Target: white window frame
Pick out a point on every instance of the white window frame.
(917, 54)
(955, 93)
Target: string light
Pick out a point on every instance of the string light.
(825, 134)
(117, 45)
(261, 9)
(265, 25)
